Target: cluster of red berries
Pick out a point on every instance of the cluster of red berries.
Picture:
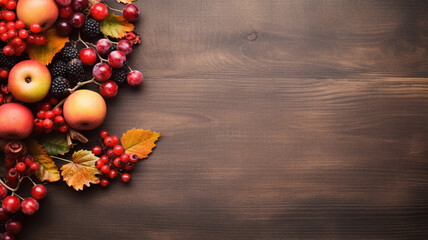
(5, 96)
(50, 119)
(21, 167)
(13, 32)
(11, 204)
(70, 15)
(113, 159)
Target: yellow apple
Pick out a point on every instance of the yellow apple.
(43, 12)
(84, 110)
(29, 81)
(16, 121)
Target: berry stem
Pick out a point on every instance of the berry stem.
(79, 39)
(62, 159)
(60, 103)
(12, 189)
(79, 84)
(130, 69)
(114, 9)
(14, 194)
(31, 180)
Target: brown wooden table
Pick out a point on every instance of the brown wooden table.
(282, 120)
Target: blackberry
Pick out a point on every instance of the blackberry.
(75, 71)
(68, 52)
(10, 61)
(91, 29)
(119, 75)
(59, 87)
(58, 68)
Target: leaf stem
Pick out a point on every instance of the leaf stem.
(62, 159)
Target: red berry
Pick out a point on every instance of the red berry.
(35, 28)
(38, 192)
(103, 46)
(13, 227)
(108, 141)
(133, 158)
(105, 169)
(8, 236)
(34, 166)
(65, 12)
(109, 89)
(99, 164)
(63, 128)
(125, 46)
(77, 19)
(11, 204)
(63, 3)
(41, 40)
(101, 71)
(23, 33)
(115, 139)
(57, 111)
(10, 25)
(9, 15)
(110, 153)
(129, 166)
(112, 174)
(131, 12)
(11, 4)
(59, 120)
(99, 11)
(19, 24)
(29, 160)
(31, 39)
(47, 123)
(104, 182)
(3, 191)
(3, 214)
(8, 50)
(88, 56)
(135, 78)
(117, 163)
(20, 166)
(97, 150)
(116, 59)
(126, 177)
(29, 206)
(63, 27)
(104, 134)
(124, 158)
(104, 159)
(12, 173)
(80, 5)
(117, 150)
(46, 106)
(41, 114)
(49, 115)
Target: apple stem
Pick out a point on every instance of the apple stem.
(62, 159)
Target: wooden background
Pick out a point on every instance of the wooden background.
(282, 119)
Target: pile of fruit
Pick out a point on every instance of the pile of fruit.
(50, 52)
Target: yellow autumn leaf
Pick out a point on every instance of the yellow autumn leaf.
(93, 2)
(48, 171)
(115, 26)
(81, 171)
(45, 53)
(139, 141)
(125, 1)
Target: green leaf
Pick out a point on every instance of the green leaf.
(55, 143)
(115, 26)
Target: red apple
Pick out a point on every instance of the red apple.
(29, 81)
(43, 12)
(84, 109)
(16, 121)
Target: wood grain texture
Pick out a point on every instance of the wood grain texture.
(282, 120)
